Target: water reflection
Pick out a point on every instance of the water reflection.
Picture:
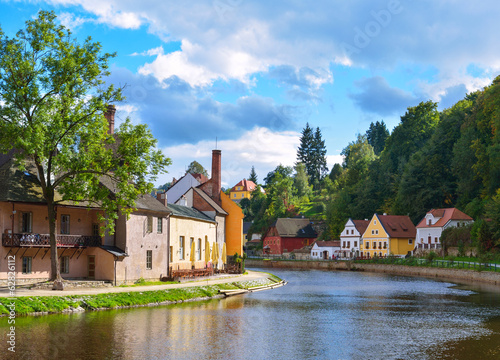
(324, 315)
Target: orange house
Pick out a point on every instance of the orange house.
(234, 226)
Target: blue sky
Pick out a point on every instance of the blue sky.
(253, 73)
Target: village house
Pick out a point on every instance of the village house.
(242, 190)
(325, 250)
(430, 228)
(388, 235)
(350, 238)
(179, 187)
(209, 199)
(138, 248)
(286, 235)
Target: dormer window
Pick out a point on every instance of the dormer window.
(430, 221)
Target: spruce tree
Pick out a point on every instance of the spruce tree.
(376, 135)
(253, 175)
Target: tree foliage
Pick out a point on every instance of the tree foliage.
(52, 100)
(253, 175)
(312, 153)
(376, 135)
(196, 168)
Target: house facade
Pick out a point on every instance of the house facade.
(430, 228)
(286, 235)
(188, 225)
(234, 225)
(179, 188)
(388, 235)
(351, 237)
(325, 250)
(242, 190)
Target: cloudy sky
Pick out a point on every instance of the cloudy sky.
(251, 74)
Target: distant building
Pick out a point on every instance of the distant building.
(325, 250)
(350, 238)
(181, 186)
(242, 190)
(430, 228)
(286, 235)
(388, 235)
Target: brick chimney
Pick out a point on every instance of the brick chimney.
(162, 197)
(212, 187)
(110, 116)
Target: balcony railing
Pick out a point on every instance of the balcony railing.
(43, 240)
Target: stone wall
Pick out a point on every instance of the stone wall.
(440, 273)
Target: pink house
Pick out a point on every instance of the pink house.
(137, 249)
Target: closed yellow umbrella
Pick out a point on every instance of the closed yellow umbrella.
(193, 249)
(224, 260)
(215, 254)
(207, 251)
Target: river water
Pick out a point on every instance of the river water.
(318, 315)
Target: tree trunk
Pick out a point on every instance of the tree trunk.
(55, 274)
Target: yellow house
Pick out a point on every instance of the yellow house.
(234, 225)
(242, 190)
(388, 235)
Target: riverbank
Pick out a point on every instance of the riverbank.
(432, 272)
(42, 302)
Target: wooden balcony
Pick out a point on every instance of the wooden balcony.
(43, 240)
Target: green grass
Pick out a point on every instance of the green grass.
(55, 304)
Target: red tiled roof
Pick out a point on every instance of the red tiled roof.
(330, 243)
(445, 215)
(247, 185)
(398, 226)
(361, 225)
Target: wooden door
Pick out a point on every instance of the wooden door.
(91, 266)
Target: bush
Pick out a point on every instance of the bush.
(431, 256)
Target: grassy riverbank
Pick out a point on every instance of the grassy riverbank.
(33, 305)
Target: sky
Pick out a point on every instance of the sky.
(246, 76)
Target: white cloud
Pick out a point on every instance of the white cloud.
(259, 147)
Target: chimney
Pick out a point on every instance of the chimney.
(216, 174)
(183, 201)
(162, 197)
(110, 116)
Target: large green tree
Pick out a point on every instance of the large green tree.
(376, 135)
(253, 175)
(196, 168)
(312, 153)
(52, 104)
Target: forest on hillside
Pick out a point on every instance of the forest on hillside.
(431, 159)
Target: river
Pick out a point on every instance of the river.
(318, 315)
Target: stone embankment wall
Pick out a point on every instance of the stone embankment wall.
(440, 273)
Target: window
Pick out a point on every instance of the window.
(26, 222)
(348, 244)
(181, 248)
(65, 265)
(234, 195)
(150, 224)
(159, 226)
(198, 250)
(355, 244)
(149, 259)
(435, 239)
(430, 222)
(27, 260)
(171, 255)
(64, 224)
(410, 241)
(385, 245)
(373, 232)
(343, 245)
(376, 232)
(380, 245)
(367, 245)
(95, 229)
(352, 232)
(374, 222)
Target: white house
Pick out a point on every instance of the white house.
(350, 238)
(324, 250)
(435, 221)
(180, 187)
